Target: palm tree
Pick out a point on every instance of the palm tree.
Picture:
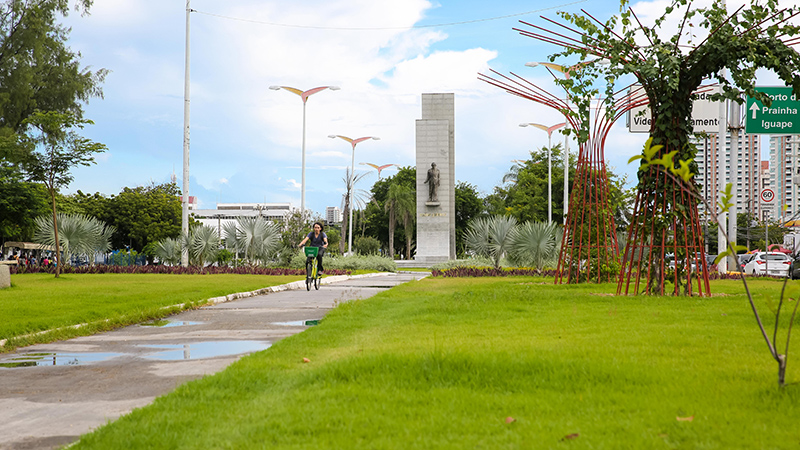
(534, 244)
(400, 201)
(169, 251)
(257, 238)
(204, 244)
(491, 237)
(78, 235)
(359, 197)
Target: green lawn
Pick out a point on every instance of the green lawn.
(494, 363)
(40, 302)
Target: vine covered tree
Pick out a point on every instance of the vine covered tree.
(670, 70)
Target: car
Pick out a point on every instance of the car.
(794, 268)
(769, 263)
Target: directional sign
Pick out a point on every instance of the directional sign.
(705, 113)
(780, 118)
(767, 195)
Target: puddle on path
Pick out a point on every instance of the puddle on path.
(55, 359)
(298, 323)
(200, 350)
(163, 323)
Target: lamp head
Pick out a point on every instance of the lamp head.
(275, 88)
(334, 88)
(531, 64)
(523, 124)
(332, 136)
(375, 138)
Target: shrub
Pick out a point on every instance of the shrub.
(367, 245)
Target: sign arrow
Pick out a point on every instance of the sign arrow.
(754, 109)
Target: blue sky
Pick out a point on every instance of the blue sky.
(246, 139)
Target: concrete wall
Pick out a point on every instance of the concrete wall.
(435, 142)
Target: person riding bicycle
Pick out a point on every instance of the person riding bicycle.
(316, 238)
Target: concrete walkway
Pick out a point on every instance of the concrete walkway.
(70, 387)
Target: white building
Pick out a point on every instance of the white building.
(784, 163)
(229, 212)
(749, 176)
(333, 215)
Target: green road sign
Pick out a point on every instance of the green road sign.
(780, 118)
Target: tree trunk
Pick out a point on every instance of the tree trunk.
(55, 232)
(345, 219)
(391, 232)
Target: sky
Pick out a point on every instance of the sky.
(246, 139)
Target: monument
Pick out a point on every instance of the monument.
(436, 175)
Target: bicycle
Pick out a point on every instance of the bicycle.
(312, 276)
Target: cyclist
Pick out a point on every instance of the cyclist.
(316, 238)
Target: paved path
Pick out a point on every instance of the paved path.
(85, 382)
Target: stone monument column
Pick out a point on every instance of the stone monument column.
(436, 175)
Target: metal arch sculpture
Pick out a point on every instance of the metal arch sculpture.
(590, 251)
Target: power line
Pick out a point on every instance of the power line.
(466, 22)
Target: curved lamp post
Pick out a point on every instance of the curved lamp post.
(549, 131)
(353, 143)
(377, 167)
(304, 96)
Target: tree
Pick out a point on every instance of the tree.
(670, 71)
(141, 215)
(401, 204)
(58, 148)
(376, 217)
(358, 197)
(469, 205)
(491, 237)
(20, 203)
(37, 69)
(534, 244)
(255, 237)
(79, 235)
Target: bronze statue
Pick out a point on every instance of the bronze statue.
(433, 183)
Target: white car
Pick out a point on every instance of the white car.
(769, 263)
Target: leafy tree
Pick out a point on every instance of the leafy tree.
(141, 215)
(203, 244)
(57, 149)
(367, 245)
(670, 71)
(469, 205)
(20, 203)
(37, 69)
(376, 216)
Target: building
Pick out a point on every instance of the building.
(749, 178)
(229, 212)
(333, 215)
(784, 163)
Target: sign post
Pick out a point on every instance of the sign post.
(780, 118)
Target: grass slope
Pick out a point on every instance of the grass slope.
(442, 363)
(39, 302)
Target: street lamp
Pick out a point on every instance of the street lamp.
(304, 96)
(549, 131)
(353, 143)
(377, 167)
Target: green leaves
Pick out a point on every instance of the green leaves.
(648, 157)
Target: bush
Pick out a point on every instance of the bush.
(367, 245)
(358, 262)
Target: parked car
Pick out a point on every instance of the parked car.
(769, 263)
(794, 268)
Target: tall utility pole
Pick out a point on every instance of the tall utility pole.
(185, 190)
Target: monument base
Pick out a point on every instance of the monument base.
(433, 203)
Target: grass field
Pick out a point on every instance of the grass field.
(40, 302)
(494, 363)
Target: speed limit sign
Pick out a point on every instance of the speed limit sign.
(767, 196)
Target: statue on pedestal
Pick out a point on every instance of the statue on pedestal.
(433, 183)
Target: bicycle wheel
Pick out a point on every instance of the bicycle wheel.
(316, 282)
(308, 277)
